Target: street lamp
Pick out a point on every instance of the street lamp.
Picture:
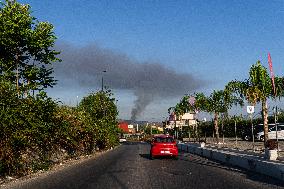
(103, 80)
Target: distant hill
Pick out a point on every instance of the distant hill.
(131, 122)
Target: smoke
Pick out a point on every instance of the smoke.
(147, 80)
(143, 99)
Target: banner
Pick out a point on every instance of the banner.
(191, 100)
(271, 73)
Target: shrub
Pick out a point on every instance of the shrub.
(35, 129)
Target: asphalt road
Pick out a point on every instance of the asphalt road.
(129, 166)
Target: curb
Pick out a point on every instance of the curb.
(247, 161)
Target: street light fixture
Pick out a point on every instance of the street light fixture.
(103, 80)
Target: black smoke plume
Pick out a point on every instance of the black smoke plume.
(147, 80)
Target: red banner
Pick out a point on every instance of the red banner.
(271, 73)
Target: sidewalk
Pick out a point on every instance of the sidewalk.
(248, 160)
(250, 153)
(242, 146)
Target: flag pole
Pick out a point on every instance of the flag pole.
(274, 91)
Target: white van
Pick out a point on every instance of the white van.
(272, 133)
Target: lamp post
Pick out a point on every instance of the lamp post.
(103, 80)
(252, 133)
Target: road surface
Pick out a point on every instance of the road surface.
(129, 166)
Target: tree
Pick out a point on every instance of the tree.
(182, 107)
(102, 110)
(185, 106)
(26, 130)
(218, 102)
(258, 88)
(26, 52)
(215, 104)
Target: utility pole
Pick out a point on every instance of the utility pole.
(276, 128)
(250, 111)
(236, 130)
(252, 133)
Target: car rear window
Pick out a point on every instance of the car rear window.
(164, 140)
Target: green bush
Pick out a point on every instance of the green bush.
(26, 125)
(34, 128)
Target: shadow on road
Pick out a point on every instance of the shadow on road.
(130, 143)
(147, 156)
(249, 174)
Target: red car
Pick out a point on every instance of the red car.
(163, 145)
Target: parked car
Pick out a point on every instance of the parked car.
(163, 145)
(247, 135)
(272, 132)
(122, 140)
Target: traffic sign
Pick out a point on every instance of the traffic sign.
(250, 109)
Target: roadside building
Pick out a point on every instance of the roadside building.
(124, 127)
(185, 120)
(131, 129)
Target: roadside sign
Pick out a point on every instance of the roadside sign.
(250, 109)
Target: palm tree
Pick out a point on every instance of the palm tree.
(258, 88)
(184, 106)
(218, 102)
(215, 105)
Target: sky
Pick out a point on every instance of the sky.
(156, 51)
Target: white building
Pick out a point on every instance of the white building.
(185, 120)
